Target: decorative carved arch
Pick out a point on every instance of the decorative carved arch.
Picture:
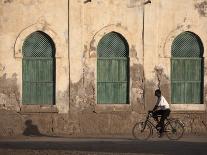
(166, 53)
(102, 32)
(42, 26)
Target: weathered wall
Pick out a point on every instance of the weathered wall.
(149, 64)
(149, 31)
(164, 20)
(19, 18)
(96, 19)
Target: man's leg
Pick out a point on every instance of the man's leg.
(165, 114)
(155, 116)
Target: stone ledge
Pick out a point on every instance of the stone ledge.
(102, 108)
(188, 107)
(38, 109)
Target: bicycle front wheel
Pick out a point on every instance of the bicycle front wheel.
(142, 131)
(174, 129)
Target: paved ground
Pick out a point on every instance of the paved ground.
(105, 146)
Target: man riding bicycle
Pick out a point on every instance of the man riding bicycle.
(161, 108)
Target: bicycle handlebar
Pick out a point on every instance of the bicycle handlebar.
(150, 111)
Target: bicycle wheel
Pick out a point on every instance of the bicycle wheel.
(141, 133)
(174, 129)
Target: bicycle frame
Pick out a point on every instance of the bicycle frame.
(167, 121)
(173, 127)
(148, 121)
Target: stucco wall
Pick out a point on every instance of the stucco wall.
(76, 28)
(164, 20)
(19, 18)
(89, 22)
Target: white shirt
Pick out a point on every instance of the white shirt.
(163, 104)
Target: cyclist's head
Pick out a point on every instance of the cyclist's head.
(158, 93)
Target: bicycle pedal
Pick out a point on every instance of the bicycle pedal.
(158, 127)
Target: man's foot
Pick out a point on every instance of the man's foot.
(158, 126)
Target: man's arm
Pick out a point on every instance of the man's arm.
(155, 107)
(157, 103)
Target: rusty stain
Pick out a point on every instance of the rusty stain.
(2, 67)
(179, 27)
(202, 8)
(159, 74)
(92, 46)
(85, 51)
(133, 52)
(135, 3)
(8, 1)
(188, 26)
(118, 24)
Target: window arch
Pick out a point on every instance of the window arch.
(187, 69)
(38, 69)
(113, 70)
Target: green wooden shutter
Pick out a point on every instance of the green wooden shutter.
(112, 70)
(186, 69)
(38, 69)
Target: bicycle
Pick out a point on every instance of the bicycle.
(143, 130)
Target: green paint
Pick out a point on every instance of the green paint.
(38, 70)
(112, 70)
(187, 69)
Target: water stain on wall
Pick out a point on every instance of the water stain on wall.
(8, 1)
(9, 92)
(133, 52)
(202, 8)
(82, 93)
(137, 84)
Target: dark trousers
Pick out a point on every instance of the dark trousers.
(164, 114)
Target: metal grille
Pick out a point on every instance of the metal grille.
(112, 45)
(38, 44)
(187, 69)
(38, 69)
(187, 44)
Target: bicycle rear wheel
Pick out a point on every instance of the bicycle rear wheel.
(174, 129)
(141, 131)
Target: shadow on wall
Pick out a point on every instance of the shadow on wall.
(31, 129)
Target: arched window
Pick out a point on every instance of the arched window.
(113, 70)
(187, 69)
(38, 69)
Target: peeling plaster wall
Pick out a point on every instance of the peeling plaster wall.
(149, 52)
(164, 20)
(149, 64)
(89, 22)
(18, 17)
